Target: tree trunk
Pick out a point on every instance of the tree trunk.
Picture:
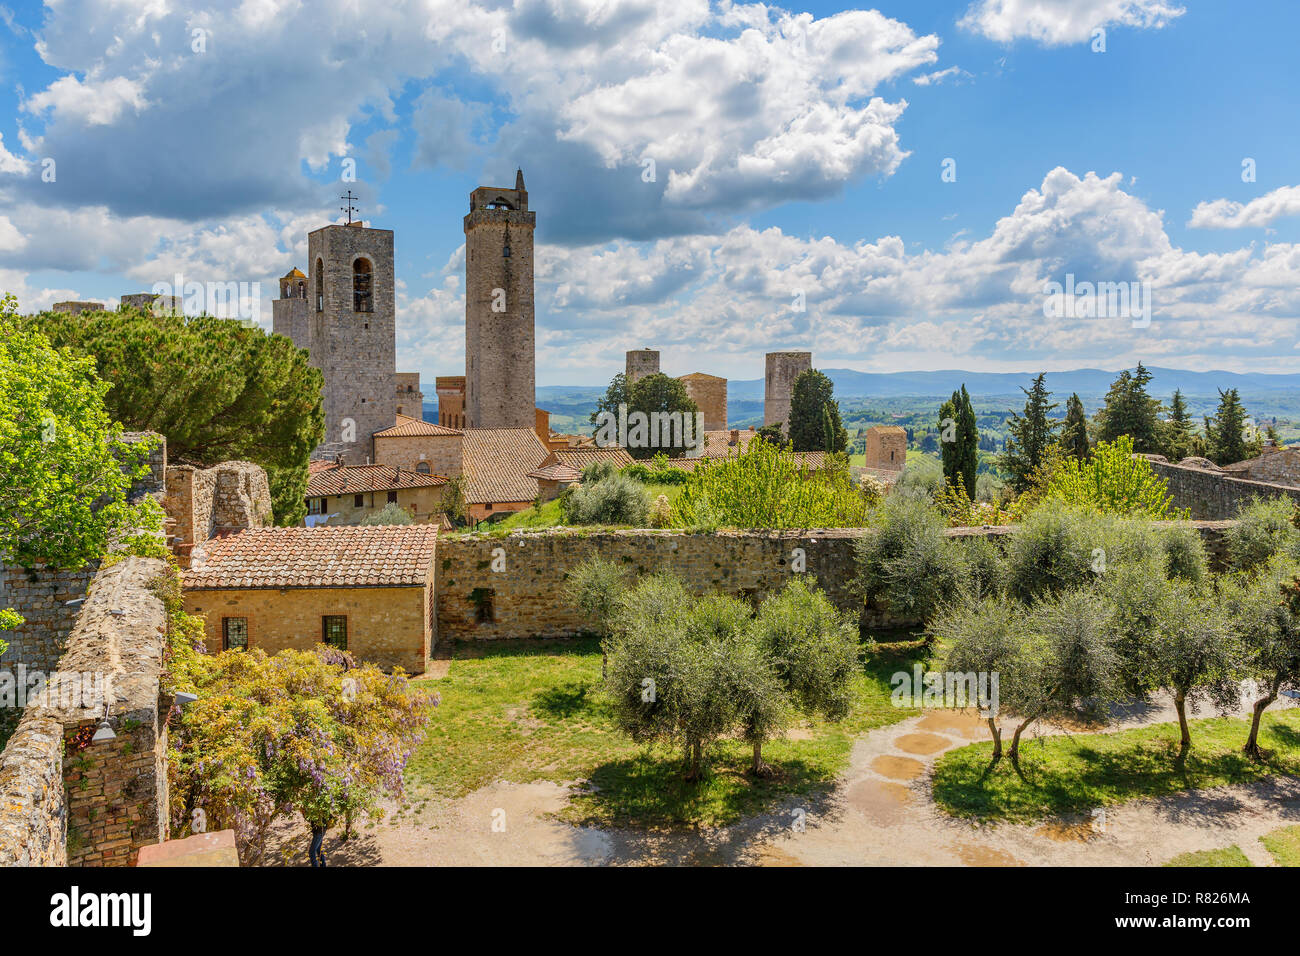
(1180, 705)
(997, 746)
(1252, 747)
(760, 769)
(1014, 753)
(694, 749)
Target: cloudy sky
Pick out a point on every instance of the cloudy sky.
(890, 187)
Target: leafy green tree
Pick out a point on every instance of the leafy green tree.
(1198, 656)
(665, 683)
(1266, 610)
(307, 732)
(1265, 527)
(1030, 436)
(814, 649)
(1129, 410)
(1074, 432)
(595, 587)
(66, 470)
(1225, 433)
(774, 435)
(1179, 438)
(815, 414)
(908, 563)
(660, 393)
(1114, 481)
(218, 389)
(615, 395)
(959, 441)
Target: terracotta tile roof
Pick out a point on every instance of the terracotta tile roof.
(408, 427)
(555, 472)
(496, 463)
(580, 458)
(380, 556)
(717, 443)
(356, 479)
(320, 464)
(701, 376)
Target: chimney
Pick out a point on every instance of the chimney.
(735, 436)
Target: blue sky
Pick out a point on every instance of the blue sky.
(798, 156)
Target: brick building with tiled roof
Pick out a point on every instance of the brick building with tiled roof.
(564, 466)
(369, 590)
(496, 466)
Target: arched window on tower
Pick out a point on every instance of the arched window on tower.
(422, 467)
(320, 286)
(362, 287)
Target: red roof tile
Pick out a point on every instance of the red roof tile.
(496, 463)
(380, 556)
(357, 479)
(408, 427)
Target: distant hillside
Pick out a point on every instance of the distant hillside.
(1264, 394)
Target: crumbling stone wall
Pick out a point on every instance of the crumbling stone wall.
(223, 499)
(1212, 495)
(99, 804)
(525, 598)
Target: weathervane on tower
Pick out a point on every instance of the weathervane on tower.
(349, 209)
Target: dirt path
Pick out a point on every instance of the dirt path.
(881, 813)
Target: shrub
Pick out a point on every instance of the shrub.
(909, 563)
(1264, 528)
(392, 513)
(661, 512)
(767, 487)
(922, 479)
(1113, 480)
(1185, 555)
(986, 566)
(1050, 552)
(614, 499)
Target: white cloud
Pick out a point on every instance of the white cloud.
(1060, 22)
(955, 73)
(1226, 214)
(91, 103)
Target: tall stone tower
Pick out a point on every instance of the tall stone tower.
(344, 316)
(778, 387)
(500, 373)
(640, 363)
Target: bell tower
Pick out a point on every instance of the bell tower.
(500, 342)
(343, 313)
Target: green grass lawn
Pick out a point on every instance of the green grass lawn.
(1075, 773)
(1228, 856)
(531, 710)
(1284, 844)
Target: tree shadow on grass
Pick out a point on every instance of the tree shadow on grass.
(647, 791)
(562, 700)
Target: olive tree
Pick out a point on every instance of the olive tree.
(1267, 612)
(595, 587)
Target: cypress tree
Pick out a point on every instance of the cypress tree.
(1030, 434)
(1074, 434)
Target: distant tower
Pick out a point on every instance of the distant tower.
(500, 374)
(346, 322)
(709, 393)
(640, 363)
(782, 369)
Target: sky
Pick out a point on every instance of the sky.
(892, 187)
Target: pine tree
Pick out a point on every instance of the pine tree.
(1178, 429)
(1030, 435)
(815, 423)
(1129, 410)
(1074, 434)
(1225, 433)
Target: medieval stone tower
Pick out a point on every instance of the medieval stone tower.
(640, 363)
(342, 312)
(782, 369)
(500, 375)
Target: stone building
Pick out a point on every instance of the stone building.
(410, 400)
(496, 465)
(420, 446)
(709, 393)
(886, 447)
(451, 400)
(154, 302)
(342, 312)
(564, 466)
(344, 494)
(640, 363)
(76, 308)
(500, 379)
(778, 385)
(368, 590)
